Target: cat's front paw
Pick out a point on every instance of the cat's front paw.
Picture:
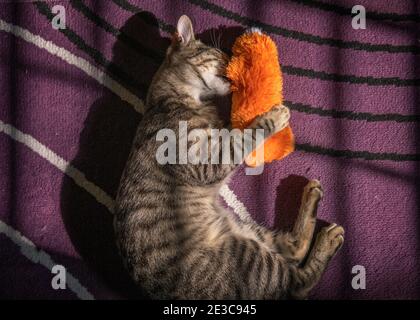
(274, 120)
(313, 191)
(329, 240)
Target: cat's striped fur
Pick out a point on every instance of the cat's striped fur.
(175, 238)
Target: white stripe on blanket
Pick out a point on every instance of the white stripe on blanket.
(30, 251)
(84, 65)
(78, 62)
(58, 162)
(101, 196)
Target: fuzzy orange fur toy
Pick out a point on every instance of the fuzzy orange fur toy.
(256, 78)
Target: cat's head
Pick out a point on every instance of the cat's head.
(201, 66)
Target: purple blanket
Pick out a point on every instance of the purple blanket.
(70, 100)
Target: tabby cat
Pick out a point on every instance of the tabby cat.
(175, 238)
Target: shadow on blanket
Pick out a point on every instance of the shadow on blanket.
(105, 143)
(104, 146)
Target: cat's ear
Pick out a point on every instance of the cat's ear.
(185, 32)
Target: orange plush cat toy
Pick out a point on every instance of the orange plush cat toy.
(254, 71)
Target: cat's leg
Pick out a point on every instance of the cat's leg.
(327, 243)
(272, 121)
(295, 245)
